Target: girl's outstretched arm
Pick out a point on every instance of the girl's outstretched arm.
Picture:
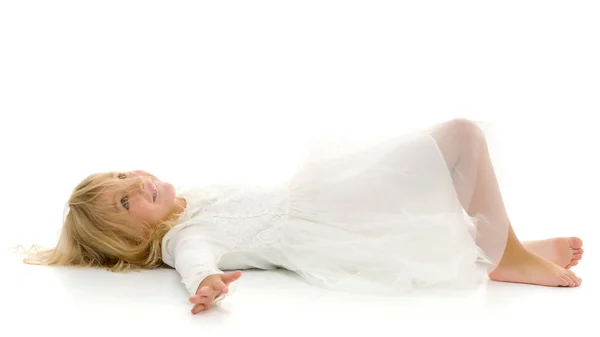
(195, 257)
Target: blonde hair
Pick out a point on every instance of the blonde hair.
(94, 234)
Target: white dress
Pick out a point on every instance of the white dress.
(380, 218)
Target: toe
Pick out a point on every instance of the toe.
(577, 256)
(573, 263)
(565, 281)
(575, 243)
(576, 281)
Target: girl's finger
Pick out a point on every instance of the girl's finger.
(201, 299)
(203, 291)
(207, 302)
(230, 277)
(197, 308)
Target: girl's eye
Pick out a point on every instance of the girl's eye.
(125, 202)
(122, 176)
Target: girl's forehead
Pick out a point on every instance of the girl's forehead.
(120, 186)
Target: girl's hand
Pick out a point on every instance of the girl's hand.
(212, 287)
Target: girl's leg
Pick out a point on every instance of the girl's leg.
(465, 150)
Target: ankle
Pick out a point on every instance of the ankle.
(516, 255)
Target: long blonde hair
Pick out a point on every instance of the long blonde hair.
(94, 235)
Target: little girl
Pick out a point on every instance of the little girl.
(420, 210)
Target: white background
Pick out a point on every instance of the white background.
(198, 92)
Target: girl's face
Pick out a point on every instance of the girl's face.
(156, 201)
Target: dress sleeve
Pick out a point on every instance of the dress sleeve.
(193, 256)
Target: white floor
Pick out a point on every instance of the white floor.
(39, 300)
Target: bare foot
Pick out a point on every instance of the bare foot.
(565, 252)
(532, 269)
